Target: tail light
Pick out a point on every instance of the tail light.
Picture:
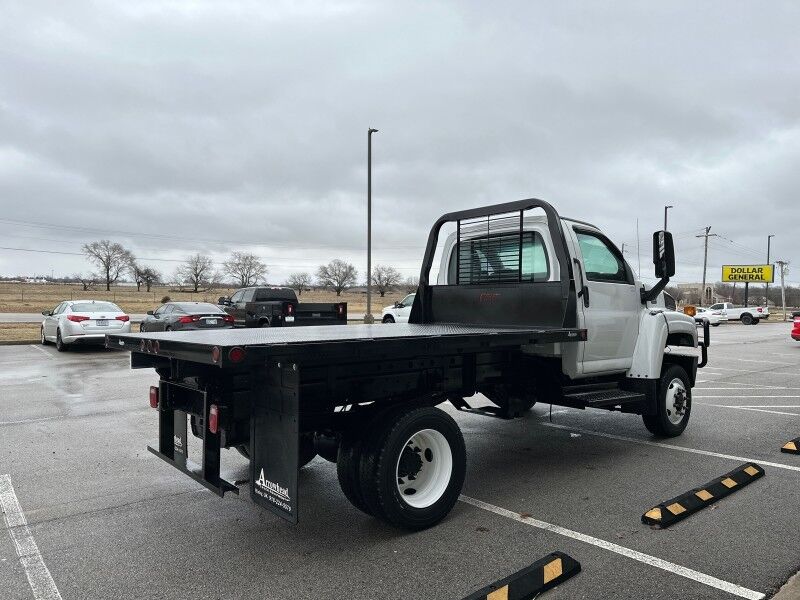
(123, 318)
(340, 309)
(759, 309)
(156, 347)
(189, 319)
(149, 345)
(288, 309)
(77, 318)
(213, 419)
(153, 396)
(216, 354)
(228, 319)
(236, 354)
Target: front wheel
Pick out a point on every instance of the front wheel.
(412, 467)
(674, 402)
(388, 319)
(715, 324)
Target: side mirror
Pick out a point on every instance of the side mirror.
(223, 300)
(663, 254)
(47, 313)
(150, 312)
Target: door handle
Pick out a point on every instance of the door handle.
(584, 293)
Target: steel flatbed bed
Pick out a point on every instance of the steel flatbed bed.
(353, 341)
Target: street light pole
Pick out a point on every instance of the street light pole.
(666, 208)
(766, 286)
(368, 318)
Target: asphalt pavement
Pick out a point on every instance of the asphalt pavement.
(106, 519)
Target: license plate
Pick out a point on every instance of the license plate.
(102, 322)
(211, 321)
(289, 319)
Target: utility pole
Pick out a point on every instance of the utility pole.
(368, 318)
(782, 264)
(766, 286)
(705, 235)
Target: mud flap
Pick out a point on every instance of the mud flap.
(274, 441)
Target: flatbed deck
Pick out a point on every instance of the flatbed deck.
(258, 343)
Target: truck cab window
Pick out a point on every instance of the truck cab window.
(601, 262)
(237, 297)
(496, 259)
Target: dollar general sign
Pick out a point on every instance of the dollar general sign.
(745, 273)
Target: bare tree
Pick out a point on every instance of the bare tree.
(299, 282)
(337, 275)
(246, 268)
(385, 278)
(136, 270)
(411, 284)
(150, 277)
(87, 281)
(196, 271)
(110, 258)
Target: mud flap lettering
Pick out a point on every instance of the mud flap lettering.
(274, 441)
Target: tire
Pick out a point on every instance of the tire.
(141, 327)
(347, 461)
(167, 328)
(263, 323)
(746, 319)
(669, 422)
(755, 321)
(715, 324)
(60, 345)
(388, 319)
(43, 340)
(306, 451)
(412, 467)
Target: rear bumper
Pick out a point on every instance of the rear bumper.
(88, 338)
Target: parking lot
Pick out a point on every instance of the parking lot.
(107, 519)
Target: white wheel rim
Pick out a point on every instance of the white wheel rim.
(421, 481)
(676, 400)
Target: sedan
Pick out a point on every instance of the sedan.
(82, 322)
(181, 316)
(714, 317)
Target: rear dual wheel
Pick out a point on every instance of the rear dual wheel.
(408, 469)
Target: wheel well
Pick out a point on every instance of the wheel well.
(687, 362)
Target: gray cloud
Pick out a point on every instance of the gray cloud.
(246, 122)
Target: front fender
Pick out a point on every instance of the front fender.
(657, 330)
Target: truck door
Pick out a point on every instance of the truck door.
(236, 309)
(610, 313)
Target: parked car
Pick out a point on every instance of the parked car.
(796, 329)
(399, 311)
(181, 316)
(748, 315)
(279, 307)
(714, 317)
(82, 322)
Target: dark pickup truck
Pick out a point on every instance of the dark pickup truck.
(520, 309)
(279, 307)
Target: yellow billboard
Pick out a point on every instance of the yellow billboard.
(748, 273)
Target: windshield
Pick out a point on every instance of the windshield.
(95, 307)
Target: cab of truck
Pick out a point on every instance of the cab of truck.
(611, 303)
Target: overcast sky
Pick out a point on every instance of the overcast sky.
(181, 127)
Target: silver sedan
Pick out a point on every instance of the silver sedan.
(82, 322)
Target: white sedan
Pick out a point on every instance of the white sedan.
(83, 322)
(714, 317)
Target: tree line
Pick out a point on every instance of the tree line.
(112, 262)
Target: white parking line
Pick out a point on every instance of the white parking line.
(774, 412)
(745, 396)
(42, 350)
(766, 362)
(647, 559)
(39, 578)
(761, 387)
(622, 438)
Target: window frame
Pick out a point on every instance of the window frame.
(629, 279)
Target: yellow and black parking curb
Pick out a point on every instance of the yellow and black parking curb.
(680, 507)
(530, 581)
(792, 446)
